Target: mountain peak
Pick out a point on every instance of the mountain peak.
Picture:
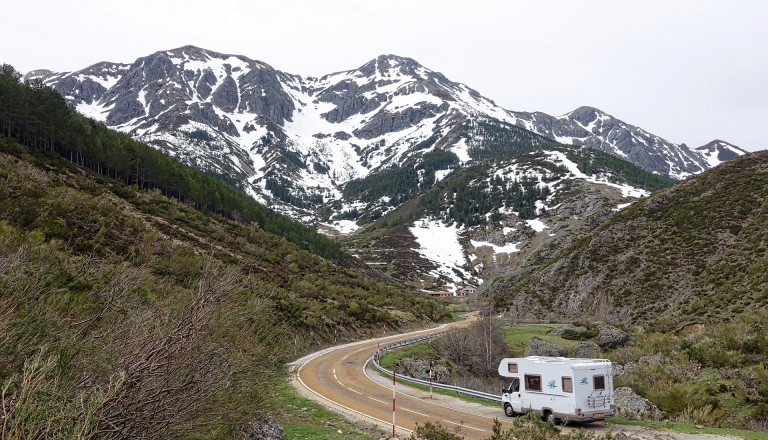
(586, 115)
(192, 52)
(392, 65)
(722, 144)
(183, 54)
(718, 151)
(397, 59)
(586, 111)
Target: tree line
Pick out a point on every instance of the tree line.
(592, 162)
(467, 200)
(400, 183)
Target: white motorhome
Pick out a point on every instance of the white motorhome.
(558, 389)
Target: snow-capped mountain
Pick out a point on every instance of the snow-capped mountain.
(717, 152)
(293, 142)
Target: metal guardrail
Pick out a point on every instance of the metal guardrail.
(456, 389)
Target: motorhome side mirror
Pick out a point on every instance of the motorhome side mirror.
(504, 391)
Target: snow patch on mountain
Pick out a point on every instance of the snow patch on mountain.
(344, 227)
(507, 248)
(536, 224)
(626, 190)
(440, 244)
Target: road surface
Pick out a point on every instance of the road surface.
(342, 379)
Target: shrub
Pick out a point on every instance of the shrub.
(706, 415)
(574, 335)
(675, 398)
(435, 431)
(531, 427)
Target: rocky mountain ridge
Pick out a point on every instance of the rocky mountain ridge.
(294, 142)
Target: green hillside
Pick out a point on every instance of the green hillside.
(691, 253)
(127, 312)
(38, 118)
(483, 199)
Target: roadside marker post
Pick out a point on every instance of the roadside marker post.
(430, 379)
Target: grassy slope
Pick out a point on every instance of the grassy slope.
(112, 297)
(693, 253)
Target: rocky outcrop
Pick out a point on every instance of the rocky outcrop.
(385, 122)
(558, 331)
(611, 337)
(586, 349)
(266, 428)
(419, 369)
(629, 405)
(618, 369)
(540, 347)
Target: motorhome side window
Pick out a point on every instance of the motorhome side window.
(567, 384)
(512, 367)
(532, 382)
(599, 382)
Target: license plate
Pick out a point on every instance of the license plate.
(598, 414)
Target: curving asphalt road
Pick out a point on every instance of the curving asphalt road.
(340, 379)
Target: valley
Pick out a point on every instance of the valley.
(224, 217)
(358, 148)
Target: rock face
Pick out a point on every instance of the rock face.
(266, 428)
(632, 406)
(611, 337)
(540, 347)
(586, 349)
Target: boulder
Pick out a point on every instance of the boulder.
(611, 337)
(266, 428)
(629, 405)
(586, 349)
(419, 369)
(654, 360)
(560, 330)
(618, 370)
(540, 347)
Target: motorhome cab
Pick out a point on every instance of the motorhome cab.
(559, 389)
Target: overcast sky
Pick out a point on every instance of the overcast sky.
(688, 71)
